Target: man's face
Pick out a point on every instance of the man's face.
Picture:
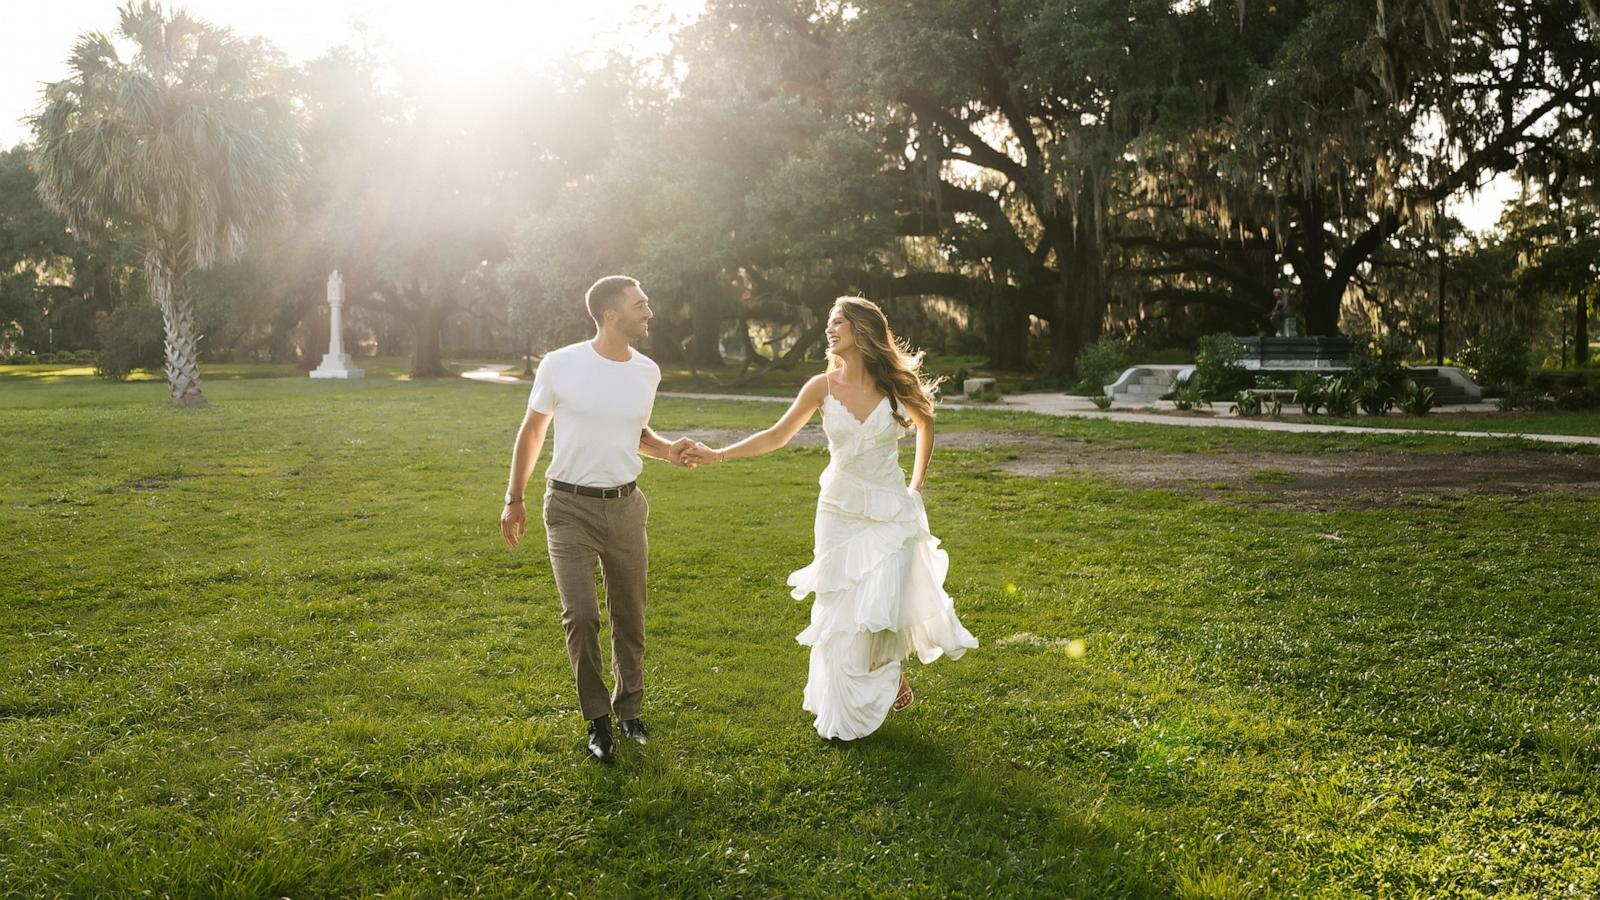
(633, 318)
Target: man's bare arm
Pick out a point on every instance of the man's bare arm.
(657, 447)
(524, 456)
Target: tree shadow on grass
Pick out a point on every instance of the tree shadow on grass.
(1006, 829)
(901, 811)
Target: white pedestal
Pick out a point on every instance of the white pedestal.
(340, 366)
(336, 363)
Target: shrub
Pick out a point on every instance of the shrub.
(959, 380)
(1216, 364)
(1100, 363)
(131, 337)
(1247, 404)
(1415, 399)
(1573, 390)
(1188, 395)
(1373, 396)
(1497, 360)
(1577, 397)
(1524, 396)
(1310, 393)
(1101, 401)
(1340, 397)
(1380, 361)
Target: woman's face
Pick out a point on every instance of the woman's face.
(841, 334)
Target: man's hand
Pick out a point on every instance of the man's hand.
(512, 520)
(700, 454)
(675, 453)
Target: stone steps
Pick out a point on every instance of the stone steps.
(1446, 389)
(1143, 385)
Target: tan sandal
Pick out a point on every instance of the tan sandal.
(905, 698)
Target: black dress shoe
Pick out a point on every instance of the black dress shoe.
(633, 729)
(600, 745)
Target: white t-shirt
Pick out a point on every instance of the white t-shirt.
(600, 408)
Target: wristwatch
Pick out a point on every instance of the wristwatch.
(510, 499)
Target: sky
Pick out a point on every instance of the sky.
(37, 37)
(453, 37)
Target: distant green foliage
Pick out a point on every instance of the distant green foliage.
(130, 338)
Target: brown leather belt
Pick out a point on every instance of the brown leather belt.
(582, 490)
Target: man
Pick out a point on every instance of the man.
(599, 394)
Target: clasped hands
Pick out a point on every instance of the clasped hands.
(686, 452)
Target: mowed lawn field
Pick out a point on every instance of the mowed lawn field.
(276, 648)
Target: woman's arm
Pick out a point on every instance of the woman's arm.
(919, 469)
(782, 431)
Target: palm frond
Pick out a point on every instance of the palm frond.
(183, 139)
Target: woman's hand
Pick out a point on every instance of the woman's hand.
(699, 454)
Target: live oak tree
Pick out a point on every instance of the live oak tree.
(1339, 123)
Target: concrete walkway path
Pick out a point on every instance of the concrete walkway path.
(1054, 404)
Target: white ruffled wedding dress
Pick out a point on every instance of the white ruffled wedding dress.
(878, 575)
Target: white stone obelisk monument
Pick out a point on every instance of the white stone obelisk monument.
(336, 363)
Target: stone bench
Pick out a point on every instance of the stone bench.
(1322, 353)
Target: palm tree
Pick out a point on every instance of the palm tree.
(183, 145)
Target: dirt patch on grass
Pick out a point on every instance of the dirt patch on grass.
(1330, 480)
(1359, 479)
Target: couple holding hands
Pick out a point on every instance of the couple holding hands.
(877, 572)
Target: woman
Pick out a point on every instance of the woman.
(877, 573)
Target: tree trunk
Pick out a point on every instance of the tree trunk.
(425, 353)
(1321, 297)
(1322, 305)
(705, 344)
(168, 278)
(1081, 293)
(1580, 330)
(1008, 336)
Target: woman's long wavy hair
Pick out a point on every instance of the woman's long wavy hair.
(892, 366)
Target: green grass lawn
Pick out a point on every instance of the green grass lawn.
(275, 648)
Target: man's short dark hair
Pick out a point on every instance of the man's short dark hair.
(607, 294)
